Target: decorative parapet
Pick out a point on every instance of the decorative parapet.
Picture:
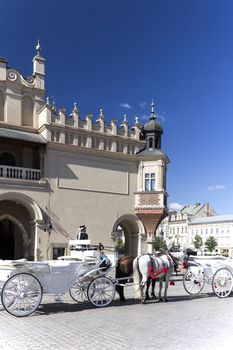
(14, 76)
(87, 133)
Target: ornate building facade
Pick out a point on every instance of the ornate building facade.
(59, 171)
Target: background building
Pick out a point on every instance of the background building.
(198, 219)
(218, 226)
(58, 171)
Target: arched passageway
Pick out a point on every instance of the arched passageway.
(19, 220)
(11, 246)
(130, 235)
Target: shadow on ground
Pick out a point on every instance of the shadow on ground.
(63, 307)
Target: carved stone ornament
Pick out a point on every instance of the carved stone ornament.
(30, 79)
(12, 75)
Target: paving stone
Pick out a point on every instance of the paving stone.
(199, 322)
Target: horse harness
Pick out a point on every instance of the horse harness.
(160, 265)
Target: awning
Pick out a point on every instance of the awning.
(22, 135)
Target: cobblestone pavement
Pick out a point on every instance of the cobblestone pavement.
(202, 322)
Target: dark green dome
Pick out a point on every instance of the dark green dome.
(152, 125)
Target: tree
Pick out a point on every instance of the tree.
(159, 244)
(211, 243)
(120, 247)
(197, 242)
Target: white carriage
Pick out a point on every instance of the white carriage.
(83, 274)
(216, 271)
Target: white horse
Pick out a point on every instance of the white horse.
(149, 266)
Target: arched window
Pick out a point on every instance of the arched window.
(1, 106)
(150, 142)
(27, 111)
(7, 159)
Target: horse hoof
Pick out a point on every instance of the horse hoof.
(154, 297)
(143, 301)
(166, 300)
(122, 300)
(147, 297)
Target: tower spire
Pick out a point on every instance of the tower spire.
(39, 68)
(152, 115)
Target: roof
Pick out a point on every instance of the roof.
(192, 209)
(22, 135)
(212, 219)
(155, 154)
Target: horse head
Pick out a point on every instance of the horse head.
(178, 257)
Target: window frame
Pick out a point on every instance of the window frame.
(149, 182)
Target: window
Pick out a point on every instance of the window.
(150, 142)
(149, 181)
(58, 251)
(7, 159)
(66, 138)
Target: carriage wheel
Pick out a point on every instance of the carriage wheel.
(78, 291)
(101, 291)
(193, 284)
(21, 294)
(222, 283)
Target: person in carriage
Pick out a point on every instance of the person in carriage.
(82, 232)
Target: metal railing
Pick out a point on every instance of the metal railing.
(13, 172)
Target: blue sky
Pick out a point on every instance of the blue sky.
(120, 54)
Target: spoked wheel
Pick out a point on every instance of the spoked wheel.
(222, 283)
(21, 294)
(101, 291)
(193, 283)
(78, 291)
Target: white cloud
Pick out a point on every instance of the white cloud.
(125, 105)
(216, 187)
(175, 206)
(143, 104)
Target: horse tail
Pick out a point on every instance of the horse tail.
(136, 278)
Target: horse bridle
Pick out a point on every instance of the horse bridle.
(174, 260)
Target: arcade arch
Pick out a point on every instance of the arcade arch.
(20, 217)
(130, 236)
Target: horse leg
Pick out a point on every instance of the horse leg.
(153, 289)
(147, 289)
(160, 288)
(143, 283)
(167, 279)
(120, 291)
